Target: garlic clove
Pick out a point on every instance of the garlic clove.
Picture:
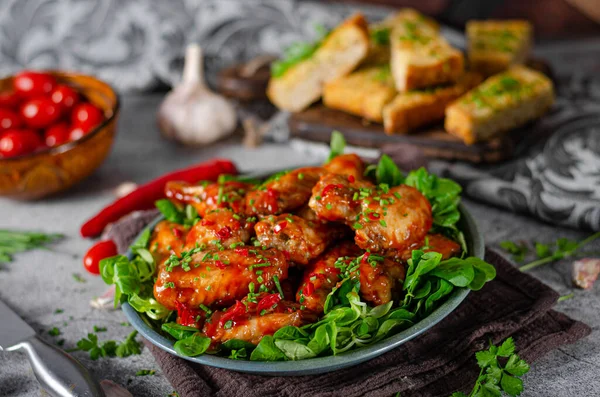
(191, 113)
(585, 272)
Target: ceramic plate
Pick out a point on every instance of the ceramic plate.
(322, 365)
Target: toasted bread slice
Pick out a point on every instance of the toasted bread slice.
(421, 57)
(363, 92)
(496, 45)
(340, 53)
(379, 32)
(413, 109)
(502, 102)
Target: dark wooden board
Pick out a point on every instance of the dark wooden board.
(317, 122)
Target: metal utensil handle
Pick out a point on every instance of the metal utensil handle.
(59, 373)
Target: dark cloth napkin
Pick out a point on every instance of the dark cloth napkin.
(435, 364)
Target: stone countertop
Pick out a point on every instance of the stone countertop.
(37, 283)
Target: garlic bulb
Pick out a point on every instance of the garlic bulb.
(191, 113)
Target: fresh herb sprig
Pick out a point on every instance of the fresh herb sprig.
(12, 242)
(109, 348)
(496, 378)
(547, 253)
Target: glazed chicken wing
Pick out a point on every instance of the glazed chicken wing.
(209, 195)
(167, 238)
(379, 280)
(298, 238)
(383, 218)
(335, 198)
(347, 164)
(220, 227)
(432, 243)
(393, 220)
(321, 275)
(284, 193)
(217, 277)
(250, 320)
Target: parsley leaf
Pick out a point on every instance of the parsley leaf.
(494, 379)
(548, 253)
(518, 251)
(109, 348)
(129, 347)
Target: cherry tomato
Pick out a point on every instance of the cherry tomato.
(9, 100)
(65, 97)
(39, 112)
(86, 116)
(101, 250)
(56, 135)
(75, 133)
(18, 142)
(33, 84)
(9, 119)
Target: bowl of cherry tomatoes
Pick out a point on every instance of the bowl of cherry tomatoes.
(56, 128)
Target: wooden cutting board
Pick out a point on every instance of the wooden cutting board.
(317, 122)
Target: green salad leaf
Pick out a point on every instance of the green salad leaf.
(134, 279)
(337, 144)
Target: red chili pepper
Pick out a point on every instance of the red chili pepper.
(236, 311)
(351, 178)
(220, 264)
(279, 227)
(177, 232)
(272, 200)
(331, 187)
(145, 196)
(186, 315)
(373, 216)
(309, 288)
(242, 251)
(366, 257)
(268, 302)
(224, 233)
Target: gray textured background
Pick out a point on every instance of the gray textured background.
(39, 282)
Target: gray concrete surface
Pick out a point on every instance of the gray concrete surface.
(39, 282)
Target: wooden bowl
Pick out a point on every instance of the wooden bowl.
(36, 175)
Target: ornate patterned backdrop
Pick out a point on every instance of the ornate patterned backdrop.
(137, 45)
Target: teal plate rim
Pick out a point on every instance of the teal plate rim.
(321, 365)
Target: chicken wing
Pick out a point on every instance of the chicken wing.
(395, 219)
(209, 195)
(379, 280)
(321, 275)
(299, 239)
(383, 218)
(220, 227)
(251, 320)
(167, 238)
(432, 243)
(335, 198)
(217, 277)
(347, 164)
(284, 193)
